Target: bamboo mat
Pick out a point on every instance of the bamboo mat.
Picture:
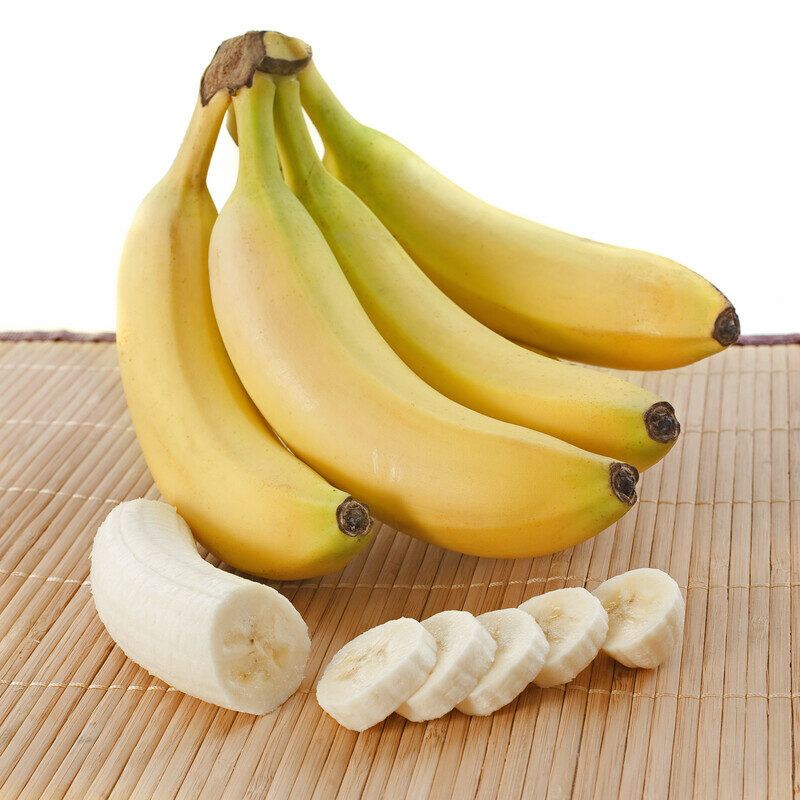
(722, 515)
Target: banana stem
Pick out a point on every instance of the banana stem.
(194, 155)
(329, 116)
(297, 152)
(255, 126)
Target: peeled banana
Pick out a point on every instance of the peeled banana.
(569, 296)
(448, 348)
(645, 616)
(208, 633)
(465, 652)
(248, 499)
(347, 405)
(375, 672)
(575, 625)
(481, 664)
(521, 652)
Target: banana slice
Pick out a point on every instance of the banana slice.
(645, 616)
(210, 634)
(465, 653)
(575, 625)
(377, 671)
(521, 652)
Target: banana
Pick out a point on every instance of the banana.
(569, 296)
(465, 651)
(445, 346)
(645, 616)
(521, 652)
(210, 634)
(478, 665)
(575, 625)
(376, 672)
(248, 499)
(348, 406)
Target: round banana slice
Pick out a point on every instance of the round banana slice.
(645, 616)
(377, 671)
(210, 634)
(465, 653)
(575, 625)
(521, 652)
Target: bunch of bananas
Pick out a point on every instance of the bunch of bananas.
(361, 327)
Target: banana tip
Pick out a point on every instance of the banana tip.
(726, 327)
(353, 517)
(661, 423)
(623, 481)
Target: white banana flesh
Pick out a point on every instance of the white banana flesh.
(465, 653)
(371, 676)
(575, 625)
(645, 616)
(521, 652)
(208, 633)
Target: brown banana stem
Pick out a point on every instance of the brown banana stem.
(239, 58)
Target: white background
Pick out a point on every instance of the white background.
(672, 127)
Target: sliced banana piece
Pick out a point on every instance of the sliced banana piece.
(521, 652)
(210, 634)
(645, 616)
(575, 625)
(465, 653)
(376, 672)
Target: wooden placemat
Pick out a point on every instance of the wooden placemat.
(721, 514)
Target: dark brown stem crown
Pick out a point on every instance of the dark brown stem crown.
(661, 423)
(726, 327)
(623, 481)
(238, 59)
(353, 517)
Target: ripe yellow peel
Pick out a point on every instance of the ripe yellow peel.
(572, 297)
(448, 348)
(337, 394)
(246, 498)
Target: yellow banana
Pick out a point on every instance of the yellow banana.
(572, 297)
(338, 395)
(246, 498)
(448, 348)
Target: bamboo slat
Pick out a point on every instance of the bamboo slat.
(721, 514)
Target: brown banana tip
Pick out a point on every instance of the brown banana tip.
(238, 59)
(661, 423)
(353, 517)
(623, 481)
(726, 327)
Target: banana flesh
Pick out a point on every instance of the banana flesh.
(521, 653)
(575, 625)
(646, 612)
(465, 652)
(548, 640)
(210, 634)
(375, 672)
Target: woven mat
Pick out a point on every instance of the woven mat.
(722, 515)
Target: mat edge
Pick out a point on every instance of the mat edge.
(57, 336)
(110, 336)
